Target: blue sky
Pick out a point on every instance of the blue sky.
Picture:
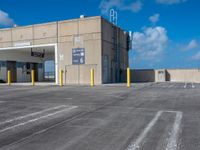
(166, 33)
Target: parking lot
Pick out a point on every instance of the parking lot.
(151, 116)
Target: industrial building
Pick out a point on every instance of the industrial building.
(75, 46)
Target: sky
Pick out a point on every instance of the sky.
(165, 33)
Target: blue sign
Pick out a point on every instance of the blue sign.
(78, 56)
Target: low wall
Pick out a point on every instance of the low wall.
(146, 75)
(183, 75)
(172, 75)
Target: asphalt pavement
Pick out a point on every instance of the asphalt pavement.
(150, 116)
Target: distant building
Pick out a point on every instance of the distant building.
(75, 46)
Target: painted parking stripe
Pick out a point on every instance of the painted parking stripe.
(172, 143)
(37, 119)
(135, 145)
(33, 114)
(68, 98)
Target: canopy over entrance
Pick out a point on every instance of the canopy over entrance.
(21, 60)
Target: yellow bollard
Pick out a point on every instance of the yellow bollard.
(61, 77)
(92, 77)
(33, 77)
(128, 77)
(9, 77)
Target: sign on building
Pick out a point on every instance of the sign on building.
(38, 54)
(78, 56)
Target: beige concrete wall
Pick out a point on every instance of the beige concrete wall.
(76, 33)
(5, 35)
(35, 35)
(85, 33)
(5, 38)
(92, 33)
(45, 31)
(22, 34)
(183, 75)
(75, 73)
(172, 75)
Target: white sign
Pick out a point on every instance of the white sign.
(78, 40)
(61, 57)
(22, 44)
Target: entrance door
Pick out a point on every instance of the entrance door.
(161, 76)
(11, 65)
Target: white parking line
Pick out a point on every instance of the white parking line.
(172, 143)
(170, 86)
(136, 144)
(33, 114)
(36, 119)
(68, 98)
(174, 134)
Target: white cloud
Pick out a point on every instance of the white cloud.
(191, 45)
(155, 18)
(196, 56)
(5, 20)
(135, 7)
(150, 43)
(106, 5)
(170, 2)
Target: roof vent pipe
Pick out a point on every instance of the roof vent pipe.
(15, 25)
(82, 16)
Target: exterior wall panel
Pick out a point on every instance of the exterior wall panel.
(89, 25)
(5, 44)
(5, 35)
(66, 28)
(45, 31)
(45, 41)
(183, 75)
(22, 34)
